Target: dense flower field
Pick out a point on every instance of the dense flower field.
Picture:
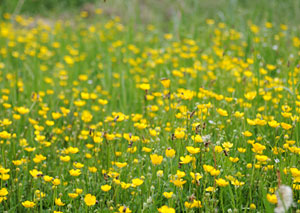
(101, 116)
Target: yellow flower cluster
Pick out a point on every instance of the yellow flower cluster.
(98, 117)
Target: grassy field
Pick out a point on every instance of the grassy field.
(132, 106)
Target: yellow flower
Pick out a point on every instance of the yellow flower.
(210, 21)
(58, 202)
(237, 183)
(250, 95)
(241, 150)
(102, 101)
(286, 126)
(258, 148)
(260, 122)
(222, 112)
(97, 139)
(69, 60)
(192, 150)
(168, 36)
(93, 169)
(254, 28)
(79, 191)
(137, 182)
(39, 158)
(196, 177)
(166, 209)
(221, 182)
(56, 115)
(170, 153)
(271, 67)
(75, 172)
(125, 185)
(56, 182)
(261, 158)
(227, 145)
(49, 123)
(5, 176)
(5, 122)
(105, 188)
(179, 134)
(86, 116)
(124, 209)
(47, 178)
(83, 77)
(238, 114)
(272, 198)
(234, 160)
(167, 194)
(156, 159)
(185, 160)
(153, 132)
(3, 192)
(160, 173)
(65, 158)
(72, 195)
(3, 170)
(247, 134)
(120, 165)
(73, 150)
(28, 204)
(180, 174)
(251, 122)
(145, 149)
(207, 168)
(22, 110)
(90, 200)
(178, 182)
(78, 165)
(165, 82)
(39, 194)
(210, 189)
(132, 149)
(194, 204)
(110, 137)
(5, 135)
(35, 173)
(214, 172)
(252, 206)
(218, 149)
(197, 138)
(144, 86)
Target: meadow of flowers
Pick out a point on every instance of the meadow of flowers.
(103, 117)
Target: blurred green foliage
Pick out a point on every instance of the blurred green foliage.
(169, 15)
(189, 15)
(41, 6)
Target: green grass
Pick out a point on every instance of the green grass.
(89, 86)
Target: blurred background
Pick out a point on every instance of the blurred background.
(165, 14)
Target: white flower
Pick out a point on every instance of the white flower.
(275, 47)
(284, 196)
(206, 138)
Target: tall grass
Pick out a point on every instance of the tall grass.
(132, 106)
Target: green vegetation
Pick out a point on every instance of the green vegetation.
(132, 106)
